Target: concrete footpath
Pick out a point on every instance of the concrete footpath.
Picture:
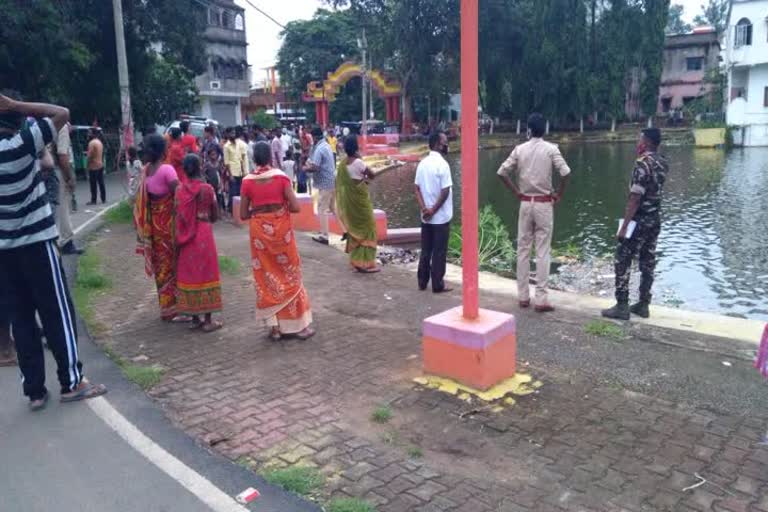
(629, 417)
(118, 453)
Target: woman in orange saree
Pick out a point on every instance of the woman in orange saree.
(153, 215)
(197, 267)
(267, 200)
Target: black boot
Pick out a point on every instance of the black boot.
(618, 312)
(640, 309)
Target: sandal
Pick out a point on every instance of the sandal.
(39, 404)
(306, 334)
(374, 270)
(196, 324)
(212, 326)
(275, 336)
(86, 391)
(178, 319)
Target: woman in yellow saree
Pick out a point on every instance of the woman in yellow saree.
(355, 208)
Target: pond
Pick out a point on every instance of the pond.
(712, 250)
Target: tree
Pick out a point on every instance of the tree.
(675, 23)
(167, 91)
(651, 54)
(66, 51)
(714, 14)
(313, 48)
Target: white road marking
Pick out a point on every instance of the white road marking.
(93, 219)
(192, 481)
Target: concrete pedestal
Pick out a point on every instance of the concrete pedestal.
(236, 211)
(478, 353)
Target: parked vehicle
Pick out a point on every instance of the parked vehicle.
(197, 125)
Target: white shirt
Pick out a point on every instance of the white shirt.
(433, 175)
(285, 140)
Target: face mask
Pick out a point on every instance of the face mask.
(444, 150)
(641, 148)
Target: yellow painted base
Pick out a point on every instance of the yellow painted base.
(520, 385)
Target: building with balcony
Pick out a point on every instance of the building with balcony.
(226, 83)
(688, 58)
(747, 67)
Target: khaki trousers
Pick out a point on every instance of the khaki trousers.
(63, 212)
(326, 204)
(534, 225)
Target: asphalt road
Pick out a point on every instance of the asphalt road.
(114, 454)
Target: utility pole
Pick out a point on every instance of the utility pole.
(363, 44)
(126, 139)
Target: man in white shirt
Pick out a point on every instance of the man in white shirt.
(435, 198)
(286, 141)
(64, 160)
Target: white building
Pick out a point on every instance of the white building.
(226, 83)
(746, 60)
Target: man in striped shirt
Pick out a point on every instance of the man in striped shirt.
(30, 265)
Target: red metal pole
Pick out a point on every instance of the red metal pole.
(469, 157)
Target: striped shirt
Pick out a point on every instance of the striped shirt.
(25, 215)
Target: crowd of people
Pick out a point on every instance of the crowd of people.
(181, 186)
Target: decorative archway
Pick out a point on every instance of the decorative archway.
(323, 94)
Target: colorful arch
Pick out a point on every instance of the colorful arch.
(323, 93)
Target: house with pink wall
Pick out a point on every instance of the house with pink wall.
(687, 60)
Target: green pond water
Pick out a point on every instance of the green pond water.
(712, 250)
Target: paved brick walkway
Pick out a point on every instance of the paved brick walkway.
(598, 436)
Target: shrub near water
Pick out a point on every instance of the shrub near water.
(496, 252)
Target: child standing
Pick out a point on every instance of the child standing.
(134, 172)
(214, 168)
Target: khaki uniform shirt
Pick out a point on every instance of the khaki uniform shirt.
(534, 163)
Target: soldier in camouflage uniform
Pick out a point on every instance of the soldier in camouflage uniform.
(644, 207)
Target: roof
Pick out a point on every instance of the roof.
(705, 36)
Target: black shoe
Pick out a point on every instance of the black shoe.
(618, 312)
(640, 309)
(71, 248)
(90, 203)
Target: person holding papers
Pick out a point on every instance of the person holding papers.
(640, 228)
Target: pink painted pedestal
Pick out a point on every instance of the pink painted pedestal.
(478, 353)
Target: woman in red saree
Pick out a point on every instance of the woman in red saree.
(176, 153)
(197, 267)
(153, 215)
(267, 200)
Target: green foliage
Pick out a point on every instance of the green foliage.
(72, 60)
(169, 89)
(675, 23)
(264, 120)
(120, 214)
(603, 329)
(146, 377)
(298, 479)
(229, 265)
(714, 14)
(415, 452)
(349, 505)
(382, 414)
(496, 251)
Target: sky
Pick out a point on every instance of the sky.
(264, 35)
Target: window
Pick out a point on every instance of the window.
(239, 25)
(694, 63)
(227, 20)
(214, 16)
(743, 33)
(765, 97)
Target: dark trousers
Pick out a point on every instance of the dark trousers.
(96, 179)
(434, 251)
(234, 190)
(36, 282)
(643, 245)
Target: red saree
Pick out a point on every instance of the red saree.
(154, 222)
(197, 269)
(281, 300)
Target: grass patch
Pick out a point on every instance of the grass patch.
(350, 505)
(496, 252)
(298, 480)
(415, 452)
(229, 265)
(90, 282)
(381, 414)
(145, 377)
(120, 214)
(603, 329)
(391, 437)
